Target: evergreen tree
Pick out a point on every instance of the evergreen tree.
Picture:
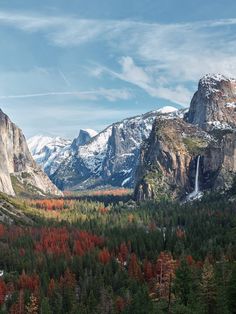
(208, 288)
(183, 284)
(232, 292)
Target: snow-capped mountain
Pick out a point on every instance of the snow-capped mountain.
(167, 109)
(50, 152)
(83, 138)
(109, 158)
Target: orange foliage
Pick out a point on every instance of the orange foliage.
(148, 270)
(51, 287)
(165, 269)
(104, 256)
(134, 267)
(53, 241)
(130, 218)
(29, 282)
(3, 291)
(114, 192)
(103, 210)
(68, 280)
(123, 253)
(190, 260)
(2, 230)
(120, 304)
(22, 252)
(180, 233)
(49, 204)
(85, 241)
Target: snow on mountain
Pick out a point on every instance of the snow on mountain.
(84, 137)
(38, 142)
(90, 132)
(167, 109)
(49, 152)
(111, 157)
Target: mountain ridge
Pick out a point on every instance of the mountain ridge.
(109, 158)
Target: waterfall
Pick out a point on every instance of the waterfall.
(196, 188)
(196, 194)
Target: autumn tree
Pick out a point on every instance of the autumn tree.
(134, 267)
(104, 256)
(3, 291)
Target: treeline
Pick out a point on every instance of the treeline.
(91, 257)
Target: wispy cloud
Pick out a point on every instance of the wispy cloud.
(167, 56)
(109, 94)
(145, 80)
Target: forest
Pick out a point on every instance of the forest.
(82, 255)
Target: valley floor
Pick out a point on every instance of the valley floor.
(111, 255)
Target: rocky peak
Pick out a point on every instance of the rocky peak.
(83, 138)
(214, 103)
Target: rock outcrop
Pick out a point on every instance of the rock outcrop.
(168, 158)
(19, 173)
(214, 103)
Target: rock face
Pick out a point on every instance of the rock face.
(83, 138)
(108, 159)
(19, 174)
(168, 158)
(214, 103)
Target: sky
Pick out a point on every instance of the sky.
(67, 65)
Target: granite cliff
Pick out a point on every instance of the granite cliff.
(19, 173)
(168, 157)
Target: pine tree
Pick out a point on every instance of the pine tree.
(45, 307)
(232, 292)
(183, 284)
(208, 288)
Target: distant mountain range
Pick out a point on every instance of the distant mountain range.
(95, 160)
(155, 153)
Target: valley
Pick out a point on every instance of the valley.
(145, 222)
(117, 157)
(82, 256)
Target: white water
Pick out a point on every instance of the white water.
(196, 189)
(196, 194)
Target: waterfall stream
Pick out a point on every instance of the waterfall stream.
(196, 194)
(196, 188)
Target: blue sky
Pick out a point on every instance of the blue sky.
(67, 65)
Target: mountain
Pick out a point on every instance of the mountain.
(111, 157)
(19, 173)
(169, 156)
(83, 138)
(50, 152)
(214, 103)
